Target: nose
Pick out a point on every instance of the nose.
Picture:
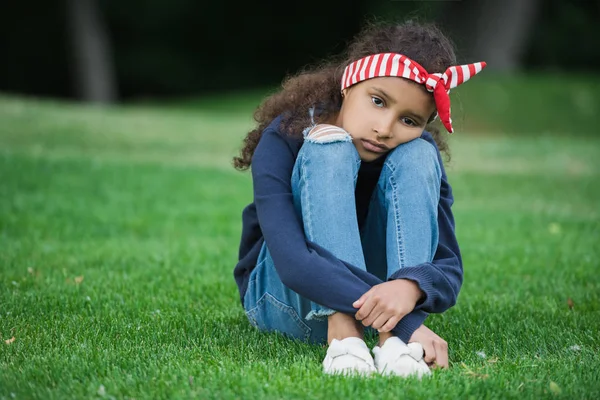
(383, 128)
(382, 134)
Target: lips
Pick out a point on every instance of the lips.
(373, 147)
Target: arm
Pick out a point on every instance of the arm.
(303, 266)
(440, 280)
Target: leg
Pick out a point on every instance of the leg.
(401, 230)
(403, 211)
(323, 188)
(323, 183)
(271, 306)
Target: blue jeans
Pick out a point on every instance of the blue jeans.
(400, 229)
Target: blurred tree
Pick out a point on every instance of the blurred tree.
(33, 47)
(94, 77)
(187, 47)
(498, 32)
(566, 37)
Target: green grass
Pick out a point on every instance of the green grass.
(119, 231)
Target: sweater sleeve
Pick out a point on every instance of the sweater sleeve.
(441, 279)
(303, 266)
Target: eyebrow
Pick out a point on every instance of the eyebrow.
(411, 114)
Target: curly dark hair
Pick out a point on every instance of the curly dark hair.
(320, 84)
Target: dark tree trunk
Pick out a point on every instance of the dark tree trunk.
(497, 32)
(92, 72)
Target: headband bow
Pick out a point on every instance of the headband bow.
(394, 64)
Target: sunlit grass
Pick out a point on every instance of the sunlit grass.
(119, 231)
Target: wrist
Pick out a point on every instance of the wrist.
(416, 293)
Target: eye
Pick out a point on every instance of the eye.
(409, 121)
(377, 101)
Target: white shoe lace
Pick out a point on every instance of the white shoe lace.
(401, 359)
(339, 352)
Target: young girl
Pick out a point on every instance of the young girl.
(351, 227)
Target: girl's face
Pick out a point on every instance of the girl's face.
(382, 113)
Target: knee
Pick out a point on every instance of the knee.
(326, 133)
(330, 147)
(418, 158)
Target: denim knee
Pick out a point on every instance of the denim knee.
(418, 158)
(331, 153)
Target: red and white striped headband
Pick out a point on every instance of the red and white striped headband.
(394, 64)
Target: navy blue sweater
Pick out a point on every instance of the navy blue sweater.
(312, 271)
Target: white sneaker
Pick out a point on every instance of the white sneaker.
(397, 358)
(349, 356)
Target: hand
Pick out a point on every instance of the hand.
(387, 303)
(436, 348)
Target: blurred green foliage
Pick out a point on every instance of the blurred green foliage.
(185, 47)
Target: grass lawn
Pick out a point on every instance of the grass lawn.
(119, 231)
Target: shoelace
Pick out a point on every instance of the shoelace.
(341, 350)
(413, 350)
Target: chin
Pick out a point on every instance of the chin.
(369, 157)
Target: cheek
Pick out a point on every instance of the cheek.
(359, 120)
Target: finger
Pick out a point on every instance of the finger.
(358, 303)
(429, 351)
(372, 317)
(390, 324)
(380, 321)
(366, 308)
(441, 352)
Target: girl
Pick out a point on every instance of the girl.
(351, 227)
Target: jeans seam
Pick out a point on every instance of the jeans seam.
(399, 225)
(304, 199)
(252, 278)
(397, 217)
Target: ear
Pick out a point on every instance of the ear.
(344, 92)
